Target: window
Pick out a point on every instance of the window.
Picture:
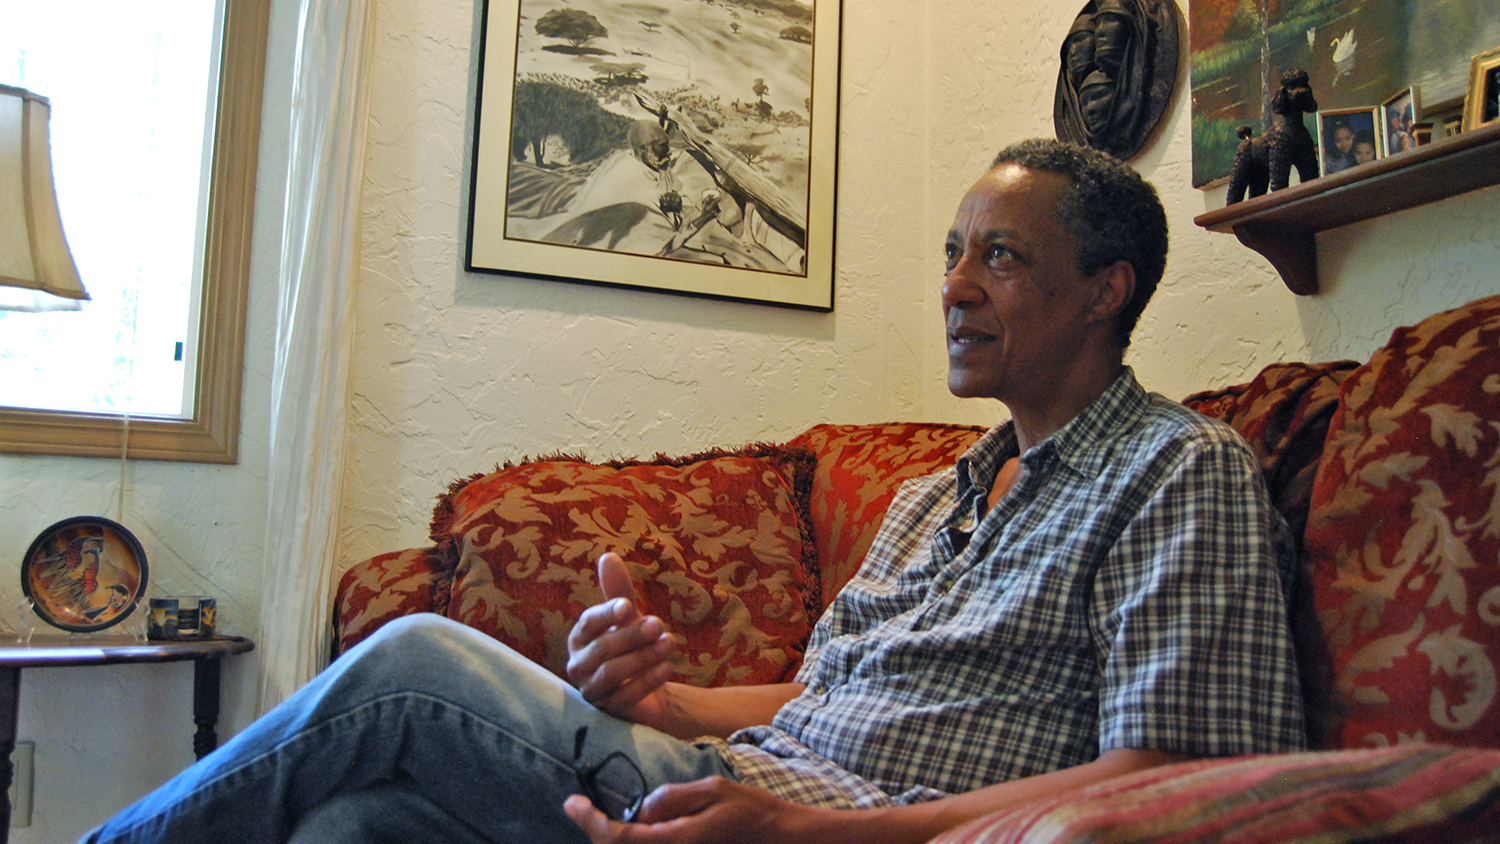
(182, 407)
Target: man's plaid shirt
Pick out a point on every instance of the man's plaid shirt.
(1126, 593)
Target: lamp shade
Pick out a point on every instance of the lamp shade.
(36, 269)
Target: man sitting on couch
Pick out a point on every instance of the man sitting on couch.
(1095, 588)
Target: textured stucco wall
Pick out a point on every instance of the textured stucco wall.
(457, 371)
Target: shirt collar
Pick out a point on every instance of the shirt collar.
(1087, 442)
(1082, 444)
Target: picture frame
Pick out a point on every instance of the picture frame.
(1482, 100)
(1399, 115)
(1347, 137)
(693, 154)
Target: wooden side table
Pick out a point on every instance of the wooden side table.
(207, 656)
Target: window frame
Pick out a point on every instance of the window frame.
(211, 433)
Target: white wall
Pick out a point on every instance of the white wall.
(455, 371)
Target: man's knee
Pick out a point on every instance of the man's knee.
(429, 645)
(415, 645)
(418, 627)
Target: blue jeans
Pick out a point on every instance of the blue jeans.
(427, 731)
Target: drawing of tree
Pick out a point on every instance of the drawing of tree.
(575, 26)
(541, 110)
(750, 152)
(760, 89)
(613, 74)
(800, 34)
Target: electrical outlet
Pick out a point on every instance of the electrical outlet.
(23, 759)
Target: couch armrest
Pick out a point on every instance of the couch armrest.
(386, 587)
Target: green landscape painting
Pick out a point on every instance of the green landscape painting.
(1357, 52)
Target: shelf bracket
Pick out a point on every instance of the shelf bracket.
(1291, 250)
(1282, 226)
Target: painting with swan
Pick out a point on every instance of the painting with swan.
(1356, 52)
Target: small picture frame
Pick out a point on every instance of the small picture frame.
(1347, 137)
(1399, 116)
(1482, 102)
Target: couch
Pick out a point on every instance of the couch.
(1388, 471)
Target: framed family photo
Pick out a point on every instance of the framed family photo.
(1348, 136)
(1399, 115)
(682, 146)
(1482, 102)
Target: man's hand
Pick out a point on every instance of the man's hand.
(617, 657)
(711, 811)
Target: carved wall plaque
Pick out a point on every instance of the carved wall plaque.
(1118, 70)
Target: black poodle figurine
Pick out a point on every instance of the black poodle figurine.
(1267, 161)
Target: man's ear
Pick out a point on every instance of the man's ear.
(1113, 288)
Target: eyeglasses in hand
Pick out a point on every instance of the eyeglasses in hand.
(615, 785)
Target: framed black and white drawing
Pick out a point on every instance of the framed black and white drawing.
(686, 146)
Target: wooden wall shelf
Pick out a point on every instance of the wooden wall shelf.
(1282, 225)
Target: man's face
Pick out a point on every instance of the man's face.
(1079, 51)
(1096, 101)
(1112, 37)
(1343, 138)
(1013, 300)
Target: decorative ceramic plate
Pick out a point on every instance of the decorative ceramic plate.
(84, 574)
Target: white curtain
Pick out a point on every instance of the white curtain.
(314, 337)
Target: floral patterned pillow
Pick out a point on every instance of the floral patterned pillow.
(715, 542)
(1404, 535)
(386, 587)
(859, 469)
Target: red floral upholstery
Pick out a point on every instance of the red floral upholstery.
(386, 587)
(715, 544)
(859, 469)
(1411, 794)
(1404, 535)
